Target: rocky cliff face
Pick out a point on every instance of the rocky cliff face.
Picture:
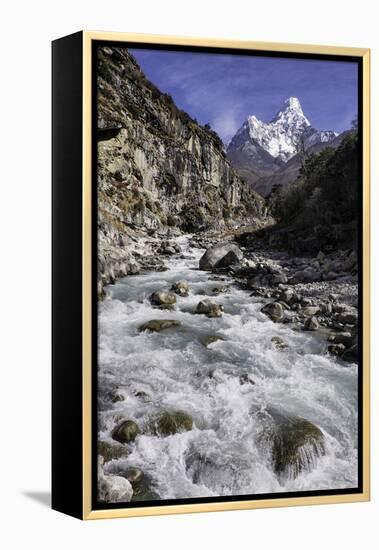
(157, 168)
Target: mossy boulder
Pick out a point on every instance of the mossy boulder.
(126, 431)
(156, 325)
(109, 451)
(296, 444)
(171, 422)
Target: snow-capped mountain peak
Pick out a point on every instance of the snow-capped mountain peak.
(281, 137)
(284, 135)
(291, 113)
(260, 149)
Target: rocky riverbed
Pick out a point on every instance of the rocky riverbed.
(227, 369)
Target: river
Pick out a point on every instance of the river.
(173, 370)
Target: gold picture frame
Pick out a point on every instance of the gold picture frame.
(85, 510)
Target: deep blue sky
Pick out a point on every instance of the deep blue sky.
(224, 89)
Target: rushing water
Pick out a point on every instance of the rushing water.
(220, 455)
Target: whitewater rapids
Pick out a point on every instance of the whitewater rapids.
(171, 371)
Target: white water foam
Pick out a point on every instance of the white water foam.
(220, 455)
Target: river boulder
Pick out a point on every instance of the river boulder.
(181, 288)
(171, 422)
(109, 451)
(160, 298)
(156, 325)
(274, 310)
(209, 308)
(351, 355)
(126, 431)
(220, 255)
(296, 444)
(113, 488)
(311, 323)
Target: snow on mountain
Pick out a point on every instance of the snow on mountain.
(282, 137)
(267, 153)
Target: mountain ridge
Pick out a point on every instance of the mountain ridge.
(262, 149)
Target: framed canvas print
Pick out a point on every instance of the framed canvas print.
(210, 275)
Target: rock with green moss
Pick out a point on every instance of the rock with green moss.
(126, 431)
(170, 423)
(296, 444)
(156, 325)
(110, 452)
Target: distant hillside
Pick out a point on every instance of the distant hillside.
(319, 210)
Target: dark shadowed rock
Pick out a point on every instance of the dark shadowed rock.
(351, 355)
(231, 258)
(229, 252)
(245, 378)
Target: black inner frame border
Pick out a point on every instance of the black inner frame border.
(96, 505)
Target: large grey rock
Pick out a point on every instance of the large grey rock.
(228, 252)
(311, 324)
(113, 488)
